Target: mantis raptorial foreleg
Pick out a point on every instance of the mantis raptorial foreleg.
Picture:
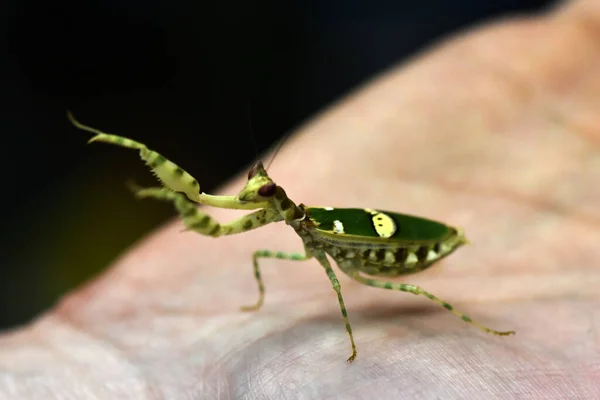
(196, 220)
(170, 174)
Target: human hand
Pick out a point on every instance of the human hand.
(496, 131)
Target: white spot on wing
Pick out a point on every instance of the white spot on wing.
(328, 208)
(338, 227)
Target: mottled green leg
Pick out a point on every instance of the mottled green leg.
(269, 254)
(169, 173)
(197, 221)
(322, 258)
(417, 290)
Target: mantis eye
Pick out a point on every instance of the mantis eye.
(267, 190)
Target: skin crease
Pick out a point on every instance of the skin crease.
(496, 130)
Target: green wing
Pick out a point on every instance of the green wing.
(377, 224)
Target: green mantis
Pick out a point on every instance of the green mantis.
(366, 244)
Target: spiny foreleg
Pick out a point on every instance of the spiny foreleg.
(196, 220)
(169, 173)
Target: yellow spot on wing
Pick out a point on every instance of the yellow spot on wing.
(384, 225)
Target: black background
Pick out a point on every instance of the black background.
(184, 77)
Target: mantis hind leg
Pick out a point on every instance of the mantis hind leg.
(420, 291)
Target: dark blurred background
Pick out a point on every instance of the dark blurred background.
(183, 77)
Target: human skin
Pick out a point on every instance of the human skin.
(496, 130)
